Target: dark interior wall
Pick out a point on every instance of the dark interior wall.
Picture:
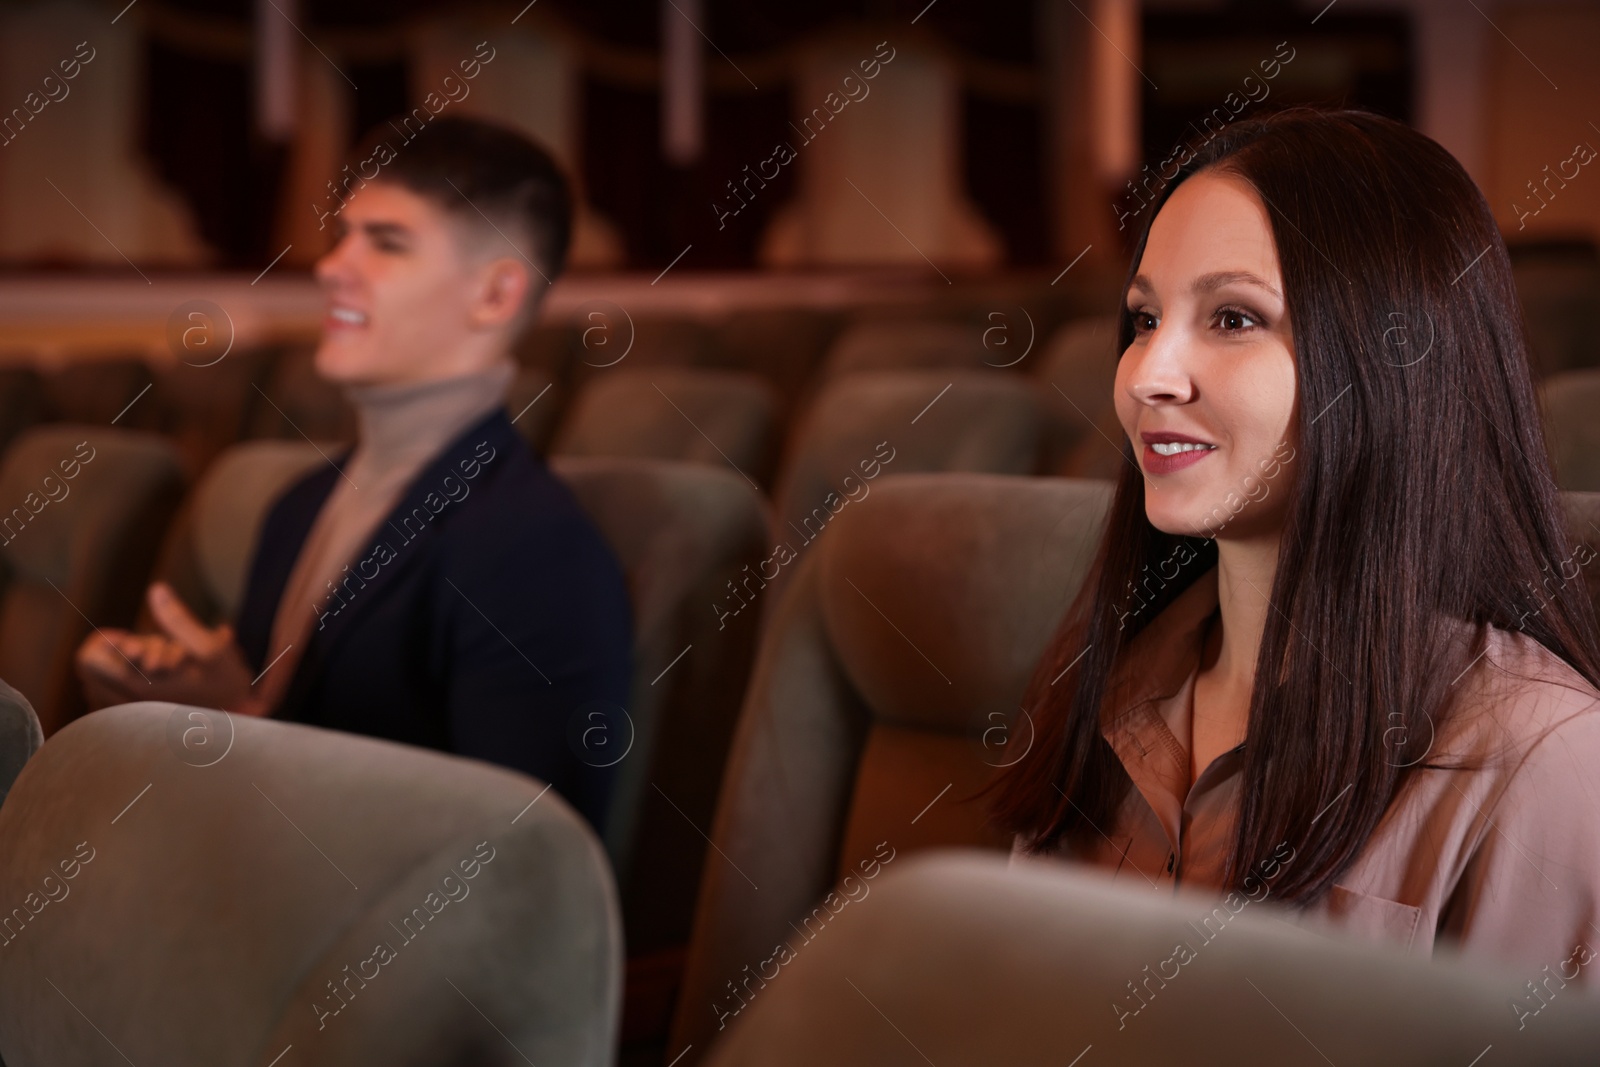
(199, 129)
(200, 134)
(1197, 58)
(661, 209)
(199, 138)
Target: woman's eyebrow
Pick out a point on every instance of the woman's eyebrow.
(1207, 283)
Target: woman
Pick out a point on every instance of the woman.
(1334, 648)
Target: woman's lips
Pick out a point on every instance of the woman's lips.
(1155, 463)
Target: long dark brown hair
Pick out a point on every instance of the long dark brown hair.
(1421, 492)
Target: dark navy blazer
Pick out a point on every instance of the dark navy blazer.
(488, 618)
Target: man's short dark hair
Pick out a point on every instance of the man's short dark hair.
(475, 169)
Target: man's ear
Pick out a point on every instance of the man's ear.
(503, 291)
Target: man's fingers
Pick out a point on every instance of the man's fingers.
(104, 660)
(125, 646)
(165, 656)
(179, 623)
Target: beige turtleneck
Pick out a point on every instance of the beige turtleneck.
(403, 428)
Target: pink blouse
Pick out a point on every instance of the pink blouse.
(1502, 860)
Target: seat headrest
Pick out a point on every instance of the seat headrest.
(669, 524)
(363, 901)
(898, 422)
(61, 484)
(940, 591)
(955, 958)
(675, 412)
(20, 735)
(1569, 403)
(231, 503)
(906, 343)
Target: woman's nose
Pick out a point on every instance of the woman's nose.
(1156, 371)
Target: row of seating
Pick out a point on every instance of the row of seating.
(699, 543)
(609, 384)
(275, 392)
(858, 425)
(688, 534)
(1570, 402)
(790, 348)
(864, 734)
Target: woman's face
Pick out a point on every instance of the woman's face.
(1207, 390)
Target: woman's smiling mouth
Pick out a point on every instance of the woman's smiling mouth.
(1165, 453)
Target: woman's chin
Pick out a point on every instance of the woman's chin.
(1178, 523)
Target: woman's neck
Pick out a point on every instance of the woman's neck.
(1245, 571)
(1227, 668)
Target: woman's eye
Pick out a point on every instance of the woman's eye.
(1143, 322)
(1234, 320)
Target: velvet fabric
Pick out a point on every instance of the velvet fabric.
(862, 426)
(76, 549)
(681, 532)
(907, 344)
(727, 418)
(188, 887)
(884, 697)
(1570, 401)
(955, 960)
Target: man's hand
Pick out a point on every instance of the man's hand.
(186, 663)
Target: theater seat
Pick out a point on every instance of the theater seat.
(20, 736)
(902, 422)
(682, 533)
(1077, 372)
(784, 345)
(197, 888)
(675, 342)
(608, 339)
(297, 404)
(719, 417)
(1583, 527)
(884, 697)
(959, 961)
(208, 550)
(77, 550)
(1570, 402)
(533, 404)
(1558, 285)
(906, 344)
(96, 387)
(22, 402)
(204, 409)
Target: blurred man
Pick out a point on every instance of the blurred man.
(437, 586)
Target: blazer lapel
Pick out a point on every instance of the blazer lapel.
(278, 547)
(401, 541)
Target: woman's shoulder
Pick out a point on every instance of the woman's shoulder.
(1515, 696)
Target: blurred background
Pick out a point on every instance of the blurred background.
(195, 148)
(772, 198)
(802, 229)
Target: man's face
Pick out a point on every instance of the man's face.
(405, 300)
